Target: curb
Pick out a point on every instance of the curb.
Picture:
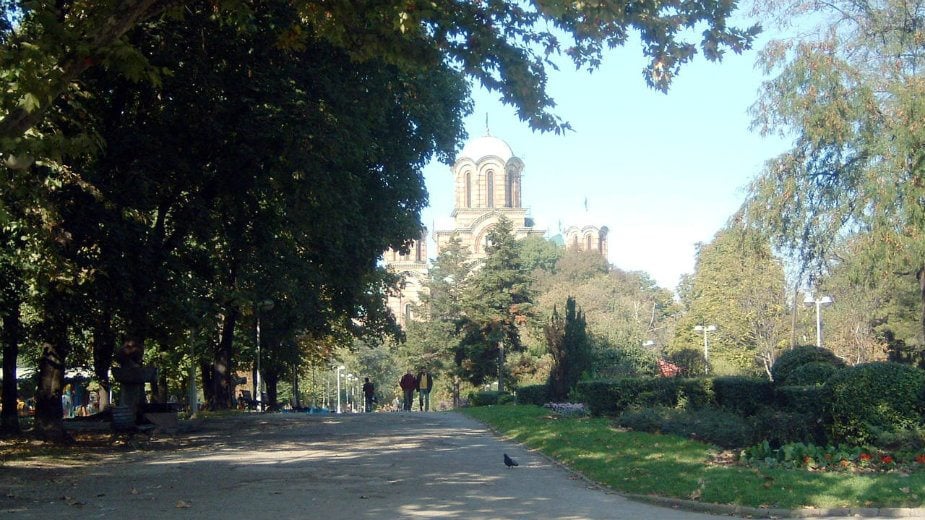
(729, 509)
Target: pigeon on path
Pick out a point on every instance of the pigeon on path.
(509, 462)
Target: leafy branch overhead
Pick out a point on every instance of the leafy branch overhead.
(506, 46)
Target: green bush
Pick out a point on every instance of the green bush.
(780, 427)
(811, 399)
(799, 356)
(613, 397)
(874, 399)
(506, 398)
(742, 395)
(533, 394)
(711, 425)
(814, 373)
(485, 398)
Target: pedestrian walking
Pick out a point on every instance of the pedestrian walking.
(369, 392)
(425, 385)
(408, 385)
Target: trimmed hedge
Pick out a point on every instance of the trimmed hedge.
(719, 427)
(742, 395)
(872, 399)
(533, 394)
(799, 356)
(780, 427)
(484, 398)
(613, 397)
(804, 399)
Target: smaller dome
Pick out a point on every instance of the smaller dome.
(486, 146)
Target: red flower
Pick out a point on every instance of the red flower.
(864, 457)
(886, 459)
(920, 458)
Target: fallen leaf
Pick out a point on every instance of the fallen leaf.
(696, 494)
(134, 491)
(182, 504)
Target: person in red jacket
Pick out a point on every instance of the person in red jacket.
(408, 385)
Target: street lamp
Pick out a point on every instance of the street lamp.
(706, 346)
(338, 387)
(825, 301)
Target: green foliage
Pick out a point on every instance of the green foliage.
(496, 299)
(803, 455)
(742, 395)
(873, 398)
(488, 398)
(724, 429)
(810, 399)
(613, 397)
(782, 426)
(569, 345)
(691, 361)
(738, 286)
(611, 363)
(796, 357)
(812, 373)
(533, 394)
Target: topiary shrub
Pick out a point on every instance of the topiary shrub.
(742, 395)
(872, 399)
(815, 373)
(799, 356)
(533, 394)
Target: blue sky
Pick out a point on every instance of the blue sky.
(663, 171)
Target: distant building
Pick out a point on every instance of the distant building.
(488, 185)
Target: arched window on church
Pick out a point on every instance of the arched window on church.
(588, 244)
(490, 185)
(468, 189)
(417, 251)
(575, 242)
(509, 191)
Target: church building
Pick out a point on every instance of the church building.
(487, 185)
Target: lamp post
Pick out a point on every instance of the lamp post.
(706, 346)
(825, 301)
(338, 387)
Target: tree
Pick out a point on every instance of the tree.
(570, 347)
(738, 286)
(505, 46)
(852, 95)
(496, 302)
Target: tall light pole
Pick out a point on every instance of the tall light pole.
(338, 387)
(706, 346)
(825, 301)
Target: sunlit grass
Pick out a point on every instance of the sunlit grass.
(669, 466)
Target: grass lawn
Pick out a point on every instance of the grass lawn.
(670, 466)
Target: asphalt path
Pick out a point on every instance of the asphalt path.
(406, 465)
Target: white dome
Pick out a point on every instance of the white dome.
(485, 146)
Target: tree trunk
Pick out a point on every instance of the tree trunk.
(104, 346)
(271, 379)
(222, 373)
(10, 334)
(205, 370)
(49, 412)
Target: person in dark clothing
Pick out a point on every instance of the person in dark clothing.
(369, 392)
(408, 385)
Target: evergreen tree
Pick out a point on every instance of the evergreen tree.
(570, 348)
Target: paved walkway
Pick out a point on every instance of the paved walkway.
(281, 466)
